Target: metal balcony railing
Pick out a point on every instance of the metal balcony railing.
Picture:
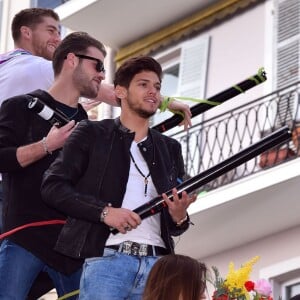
(212, 141)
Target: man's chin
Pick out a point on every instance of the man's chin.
(90, 94)
(146, 114)
(48, 55)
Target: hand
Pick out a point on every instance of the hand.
(178, 207)
(176, 105)
(122, 219)
(56, 137)
(88, 104)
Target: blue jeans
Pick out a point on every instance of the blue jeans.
(115, 276)
(19, 268)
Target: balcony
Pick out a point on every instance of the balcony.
(242, 199)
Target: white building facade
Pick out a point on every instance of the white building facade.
(206, 47)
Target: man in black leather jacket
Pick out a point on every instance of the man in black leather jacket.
(107, 169)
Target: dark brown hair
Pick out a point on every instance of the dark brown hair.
(30, 17)
(174, 275)
(136, 65)
(76, 42)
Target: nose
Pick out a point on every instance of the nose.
(101, 75)
(152, 91)
(56, 37)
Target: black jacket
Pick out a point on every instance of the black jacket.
(21, 186)
(92, 170)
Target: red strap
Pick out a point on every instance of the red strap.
(34, 224)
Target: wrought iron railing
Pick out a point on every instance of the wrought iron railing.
(211, 141)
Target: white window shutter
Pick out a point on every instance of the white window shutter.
(288, 41)
(287, 45)
(193, 68)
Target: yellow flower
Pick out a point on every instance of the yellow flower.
(236, 279)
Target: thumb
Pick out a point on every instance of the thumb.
(68, 126)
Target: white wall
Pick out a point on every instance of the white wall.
(237, 49)
(10, 8)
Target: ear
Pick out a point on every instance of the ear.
(26, 32)
(71, 60)
(121, 92)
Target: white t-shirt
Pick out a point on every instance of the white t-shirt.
(23, 74)
(148, 232)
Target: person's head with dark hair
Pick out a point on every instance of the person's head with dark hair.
(296, 297)
(135, 65)
(79, 44)
(139, 76)
(36, 30)
(176, 277)
(78, 63)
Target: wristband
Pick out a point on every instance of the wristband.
(164, 104)
(179, 223)
(104, 213)
(44, 143)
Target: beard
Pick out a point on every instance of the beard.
(84, 84)
(141, 112)
(144, 113)
(41, 49)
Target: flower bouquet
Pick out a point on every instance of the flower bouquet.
(238, 286)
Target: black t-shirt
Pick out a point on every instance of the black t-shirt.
(21, 186)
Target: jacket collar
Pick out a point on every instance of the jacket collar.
(121, 127)
(149, 140)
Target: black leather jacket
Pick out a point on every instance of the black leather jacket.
(93, 170)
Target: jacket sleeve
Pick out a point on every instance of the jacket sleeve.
(13, 129)
(60, 180)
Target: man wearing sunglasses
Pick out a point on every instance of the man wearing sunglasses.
(28, 145)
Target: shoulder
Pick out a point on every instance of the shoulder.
(43, 66)
(103, 125)
(88, 132)
(32, 60)
(14, 110)
(164, 138)
(37, 66)
(20, 101)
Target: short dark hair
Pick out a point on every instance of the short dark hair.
(76, 42)
(136, 65)
(171, 277)
(30, 17)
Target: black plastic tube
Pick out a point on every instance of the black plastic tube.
(217, 99)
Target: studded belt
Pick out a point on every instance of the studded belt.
(136, 249)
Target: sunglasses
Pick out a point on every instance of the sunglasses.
(99, 65)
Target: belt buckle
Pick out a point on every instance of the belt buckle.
(133, 248)
(126, 247)
(143, 251)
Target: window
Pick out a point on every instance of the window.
(184, 72)
(285, 278)
(287, 41)
(292, 289)
(47, 3)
